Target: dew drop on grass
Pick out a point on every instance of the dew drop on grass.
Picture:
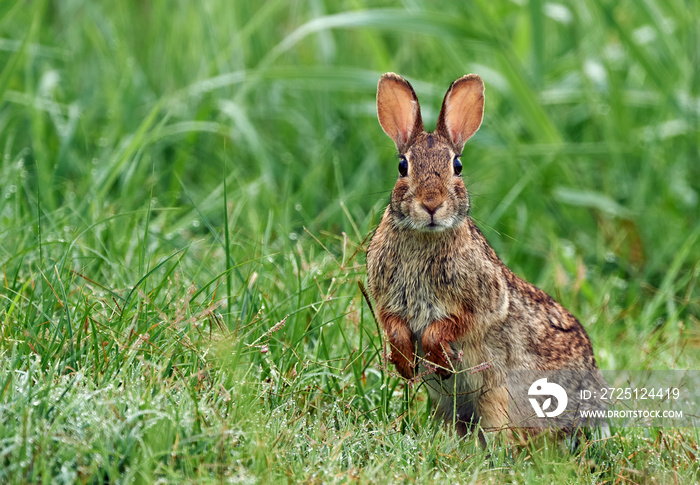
(558, 12)
(568, 249)
(619, 283)
(293, 236)
(644, 35)
(613, 52)
(595, 71)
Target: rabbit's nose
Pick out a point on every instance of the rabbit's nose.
(431, 206)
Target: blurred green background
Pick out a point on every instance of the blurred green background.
(188, 173)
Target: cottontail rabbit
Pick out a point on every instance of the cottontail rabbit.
(445, 300)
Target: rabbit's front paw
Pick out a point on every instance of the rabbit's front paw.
(401, 344)
(438, 351)
(402, 353)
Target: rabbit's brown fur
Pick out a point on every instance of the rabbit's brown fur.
(441, 291)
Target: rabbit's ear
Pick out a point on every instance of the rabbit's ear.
(462, 110)
(398, 110)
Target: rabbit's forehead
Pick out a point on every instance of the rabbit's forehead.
(430, 149)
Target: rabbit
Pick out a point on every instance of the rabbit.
(446, 302)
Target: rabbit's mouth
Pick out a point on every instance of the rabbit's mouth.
(419, 220)
(430, 218)
(435, 225)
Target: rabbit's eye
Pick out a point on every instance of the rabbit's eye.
(458, 166)
(403, 166)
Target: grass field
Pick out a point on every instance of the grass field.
(187, 192)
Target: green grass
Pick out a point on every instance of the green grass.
(179, 177)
